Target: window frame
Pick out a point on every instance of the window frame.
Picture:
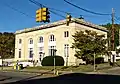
(51, 50)
(66, 34)
(66, 50)
(41, 40)
(20, 53)
(52, 38)
(30, 41)
(30, 52)
(20, 41)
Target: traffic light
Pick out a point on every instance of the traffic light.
(45, 15)
(39, 15)
(68, 19)
(42, 15)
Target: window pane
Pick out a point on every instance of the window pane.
(66, 34)
(52, 38)
(20, 41)
(66, 50)
(52, 50)
(31, 41)
(19, 53)
(31, 52)
(41, 40)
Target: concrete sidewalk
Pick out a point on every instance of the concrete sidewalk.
(51, 72)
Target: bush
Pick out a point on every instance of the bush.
(98, 60)
(49, 61)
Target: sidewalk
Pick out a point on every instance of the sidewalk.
(50, 72)
(100, 70)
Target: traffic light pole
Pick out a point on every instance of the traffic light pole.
(113, 31)
(113, 35)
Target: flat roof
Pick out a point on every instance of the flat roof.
(62, 22)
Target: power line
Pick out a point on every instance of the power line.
(15, 9)
(117, 19)
(37, 3)
(85, 9)
(41, 5)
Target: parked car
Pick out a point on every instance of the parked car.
(25, 64)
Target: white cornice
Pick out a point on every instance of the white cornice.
(61, 22)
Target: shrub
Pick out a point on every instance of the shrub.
(49, 61)
(98, 60)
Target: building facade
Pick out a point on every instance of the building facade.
(51, 39)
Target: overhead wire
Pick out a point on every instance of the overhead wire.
(117, 19)
(15, 9)
(41, 5)
(85, 9)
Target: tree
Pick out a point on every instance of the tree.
(87, 42)
(109, 27)
(7, 44)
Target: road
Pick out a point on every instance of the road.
(7, 77)
(110, 76)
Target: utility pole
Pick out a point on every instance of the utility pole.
(113, 31)
(94, 62)
(113, 36)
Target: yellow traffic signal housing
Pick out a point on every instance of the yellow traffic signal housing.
(38, 15)
(68, 19)
(45, 15)
(42, 15)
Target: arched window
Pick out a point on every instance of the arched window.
(30, 41)
(41, 39)
(20, 41)
(52, 38)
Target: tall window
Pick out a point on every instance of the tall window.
(52, 50)
(66, 50)
(30, 41)
(52, 38)
(20, 41)
(31, 52)
(41, 39)
(19, 53)
(66, 34)
(41, 53)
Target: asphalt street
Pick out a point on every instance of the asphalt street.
(110, 76)
(7, 77)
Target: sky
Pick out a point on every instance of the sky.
(13, 19)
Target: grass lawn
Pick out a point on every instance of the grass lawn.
(81, 68)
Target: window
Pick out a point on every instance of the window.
(20, 41)
(31, 41)
(52, 50)
(41, 53)
(31, 52)
(41, 49)
(66, 50)
(66, 34)
(52, 38)
(19, 53)
(41, 39)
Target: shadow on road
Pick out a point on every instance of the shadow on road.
(7, 78)
(74, 78)
(29, 78)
